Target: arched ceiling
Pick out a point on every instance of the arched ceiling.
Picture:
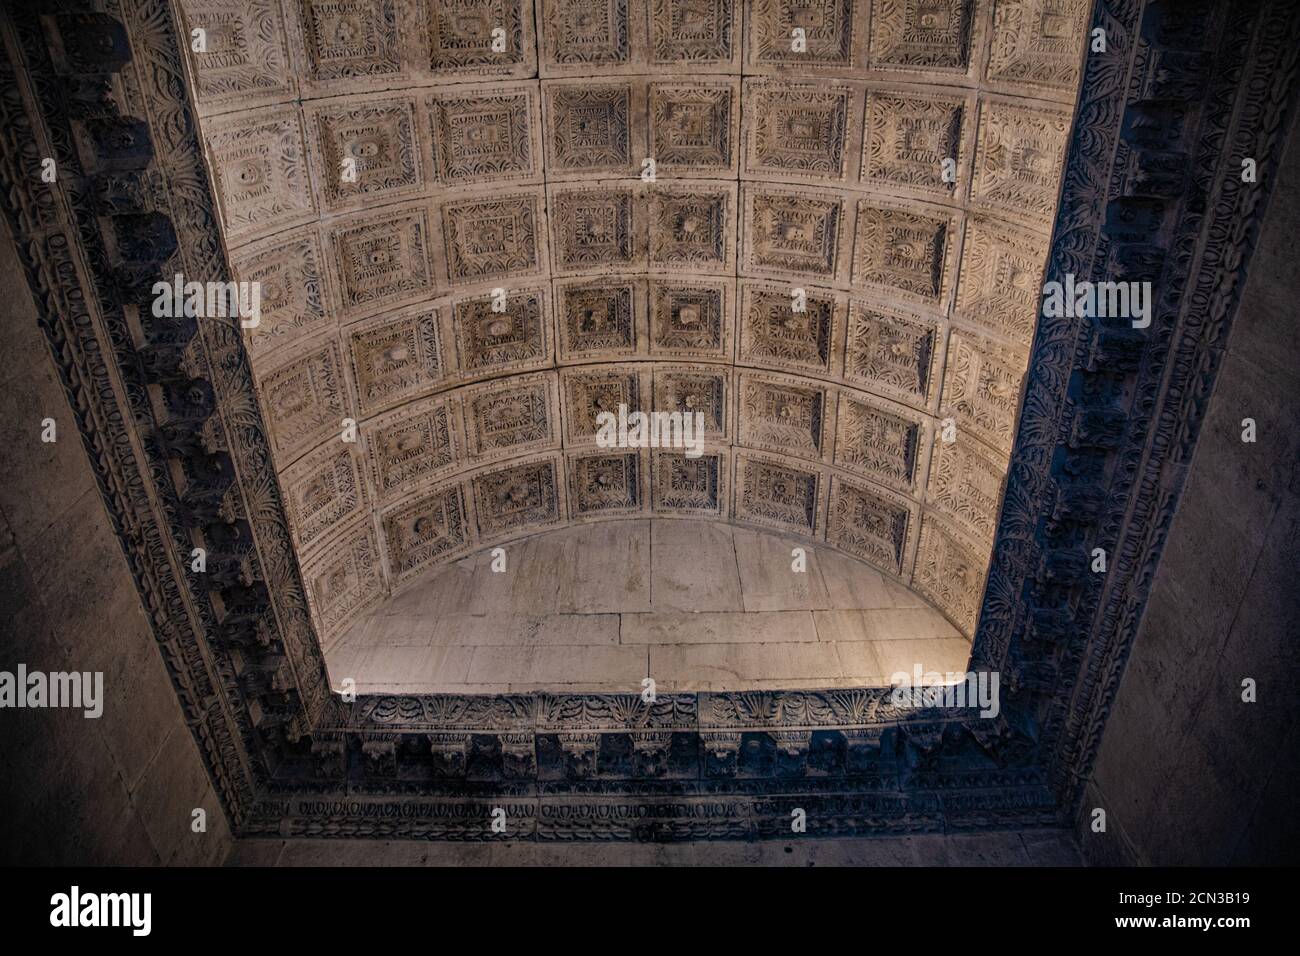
(777, 169)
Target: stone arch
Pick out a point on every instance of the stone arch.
(836, 264)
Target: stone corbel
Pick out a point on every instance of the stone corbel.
(580, 753)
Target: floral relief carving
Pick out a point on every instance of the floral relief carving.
(782, 415)
(491, 239)
(828, 26)
(483, 138)
(382, 261)
(590, 126)
(605, 484)
(515, 497)
(411, 445)
(917, 35)
(261, 171)
(691, 126)
(420, 533)
(682, 485)
(395, 359)
(692, 30)
(292, 291)
(910, 142)
(489, 340)
(588, 32)
(326, 489)
(800, 129)
(244, 51)
(778, 495)
(597, 319)
(869, 523)
(304, 395)
(902, 251)
(305, 400)
(461, 38)
(890, 352)
(350, 38)
(775, 331)
(882, 445)
(367, 151)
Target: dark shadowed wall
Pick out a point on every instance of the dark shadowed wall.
(120, 789)
(1187, 772)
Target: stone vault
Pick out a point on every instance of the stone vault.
(650, 185)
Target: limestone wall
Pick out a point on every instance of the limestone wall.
(1187, 772)
(119, 789)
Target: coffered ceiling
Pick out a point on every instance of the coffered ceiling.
(487, 156)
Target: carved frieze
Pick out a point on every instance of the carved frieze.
(1253, 74)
